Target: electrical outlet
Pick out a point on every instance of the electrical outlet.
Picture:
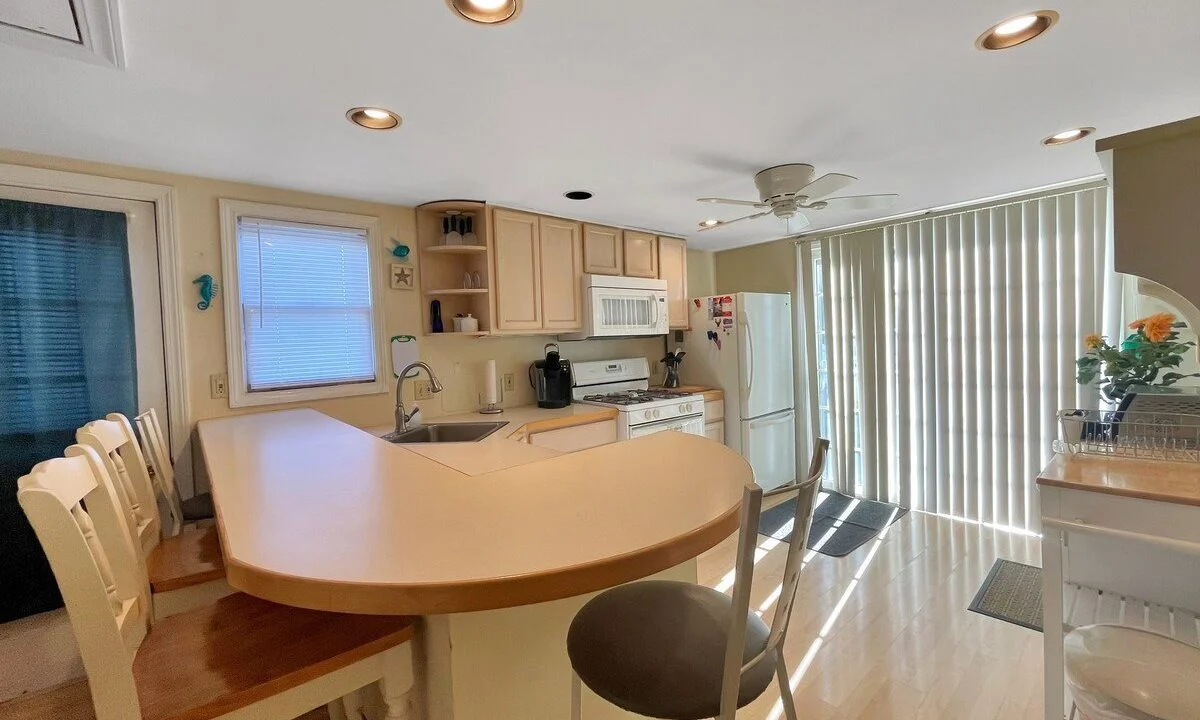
(510, 383)
(218, 385)
(424, 390)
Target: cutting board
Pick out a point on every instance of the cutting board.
(404, 353)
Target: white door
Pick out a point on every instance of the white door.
(765, 353)
(142, 240)
(769, 444)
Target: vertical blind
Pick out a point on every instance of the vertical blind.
(305, 294)
(67, 356)
(949, 346)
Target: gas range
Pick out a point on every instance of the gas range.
(624, 385)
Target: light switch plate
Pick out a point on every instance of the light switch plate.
(218, 385)
(509, 383)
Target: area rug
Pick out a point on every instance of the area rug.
(863, 523)
(1012, 592)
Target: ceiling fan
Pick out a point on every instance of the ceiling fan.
(785, 190)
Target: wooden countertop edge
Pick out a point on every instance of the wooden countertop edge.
(1122, 492)
(490, 594)
(538, 426)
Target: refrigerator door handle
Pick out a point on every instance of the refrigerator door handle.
(750, 347)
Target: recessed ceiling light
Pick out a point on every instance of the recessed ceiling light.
(373, 118)
(486, 12)
(578, 195)
(1016, 30)
(709, 223)
(1068, 136)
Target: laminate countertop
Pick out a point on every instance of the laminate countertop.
(1172, 482)
(316, 513)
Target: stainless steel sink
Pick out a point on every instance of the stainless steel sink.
(445, 433)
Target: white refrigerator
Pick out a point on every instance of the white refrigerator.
(742, 343)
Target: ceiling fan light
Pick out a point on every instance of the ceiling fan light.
(1016, 30)
(486, 12)
(1068, 136)
(709, 223)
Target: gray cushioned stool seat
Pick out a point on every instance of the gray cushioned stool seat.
(199, 507)
(657, 648)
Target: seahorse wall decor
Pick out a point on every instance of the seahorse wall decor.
(207, 290)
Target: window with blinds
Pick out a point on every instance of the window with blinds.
(305, 297)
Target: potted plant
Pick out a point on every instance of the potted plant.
(1153, 347)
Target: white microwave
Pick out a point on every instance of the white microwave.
(615, 306)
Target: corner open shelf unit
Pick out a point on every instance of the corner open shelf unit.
(444, 267)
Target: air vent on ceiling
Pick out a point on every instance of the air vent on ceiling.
(87, 30)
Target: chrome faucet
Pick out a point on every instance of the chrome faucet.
(402, 418)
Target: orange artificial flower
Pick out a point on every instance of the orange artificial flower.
(1137, 324)
(1093, 341)
(1158, 326)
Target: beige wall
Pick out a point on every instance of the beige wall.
(458, 360)
(701, 273)
(769, 267)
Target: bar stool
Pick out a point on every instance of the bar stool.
(162, 471)
(1122, 673)
(185, 570)
(235, 659)
(686, 652)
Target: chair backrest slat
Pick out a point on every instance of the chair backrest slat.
(805, 493)
(156, 450)
(81, 525)
(113, 440)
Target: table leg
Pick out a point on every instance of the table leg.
(1052, 621)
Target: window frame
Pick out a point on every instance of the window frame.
(235, 340)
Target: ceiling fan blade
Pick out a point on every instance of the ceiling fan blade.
(727, 201)
(723, 223)
(861, 202)
(825, 185)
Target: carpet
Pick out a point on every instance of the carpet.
(863, 523)
(1012, 592)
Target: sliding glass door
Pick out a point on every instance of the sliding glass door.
(80, 336)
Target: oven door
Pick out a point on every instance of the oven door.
(690, 424)
(615, 312)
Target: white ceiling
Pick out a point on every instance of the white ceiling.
(647, 103)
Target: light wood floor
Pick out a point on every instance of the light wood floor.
(880, 634)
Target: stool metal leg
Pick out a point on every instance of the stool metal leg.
(576, 696)
(785, 689)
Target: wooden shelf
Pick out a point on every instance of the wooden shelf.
(458, 291)
(456, 249)
(479, 333)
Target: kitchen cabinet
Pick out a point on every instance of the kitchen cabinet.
(715, 431)
(561, 273)
(672, 267)
(641, 254)
(603, 250)
(517, 249)
(714, 420)
(579, 437)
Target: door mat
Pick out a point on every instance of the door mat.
(863, 523)
(1012, 592)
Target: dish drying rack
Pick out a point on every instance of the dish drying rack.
(1148, 434)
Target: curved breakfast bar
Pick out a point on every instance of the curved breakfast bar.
(319, 514)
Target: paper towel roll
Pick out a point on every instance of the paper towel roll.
(489, 383)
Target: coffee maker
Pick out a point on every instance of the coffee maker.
(551, 379)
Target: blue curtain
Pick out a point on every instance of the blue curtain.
(67, 356)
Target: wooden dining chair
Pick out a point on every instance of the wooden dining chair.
(185, 570)
(157, 452)
(680, 651)
(237, 659)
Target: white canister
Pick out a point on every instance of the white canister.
(458, 324)
(467, 324)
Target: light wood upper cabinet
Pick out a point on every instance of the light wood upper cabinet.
(518, 256)
(641, 254)
(672, 267)
(603, 250)
(561, 270)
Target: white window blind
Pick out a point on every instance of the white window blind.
(944, 347)
(305, 293)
